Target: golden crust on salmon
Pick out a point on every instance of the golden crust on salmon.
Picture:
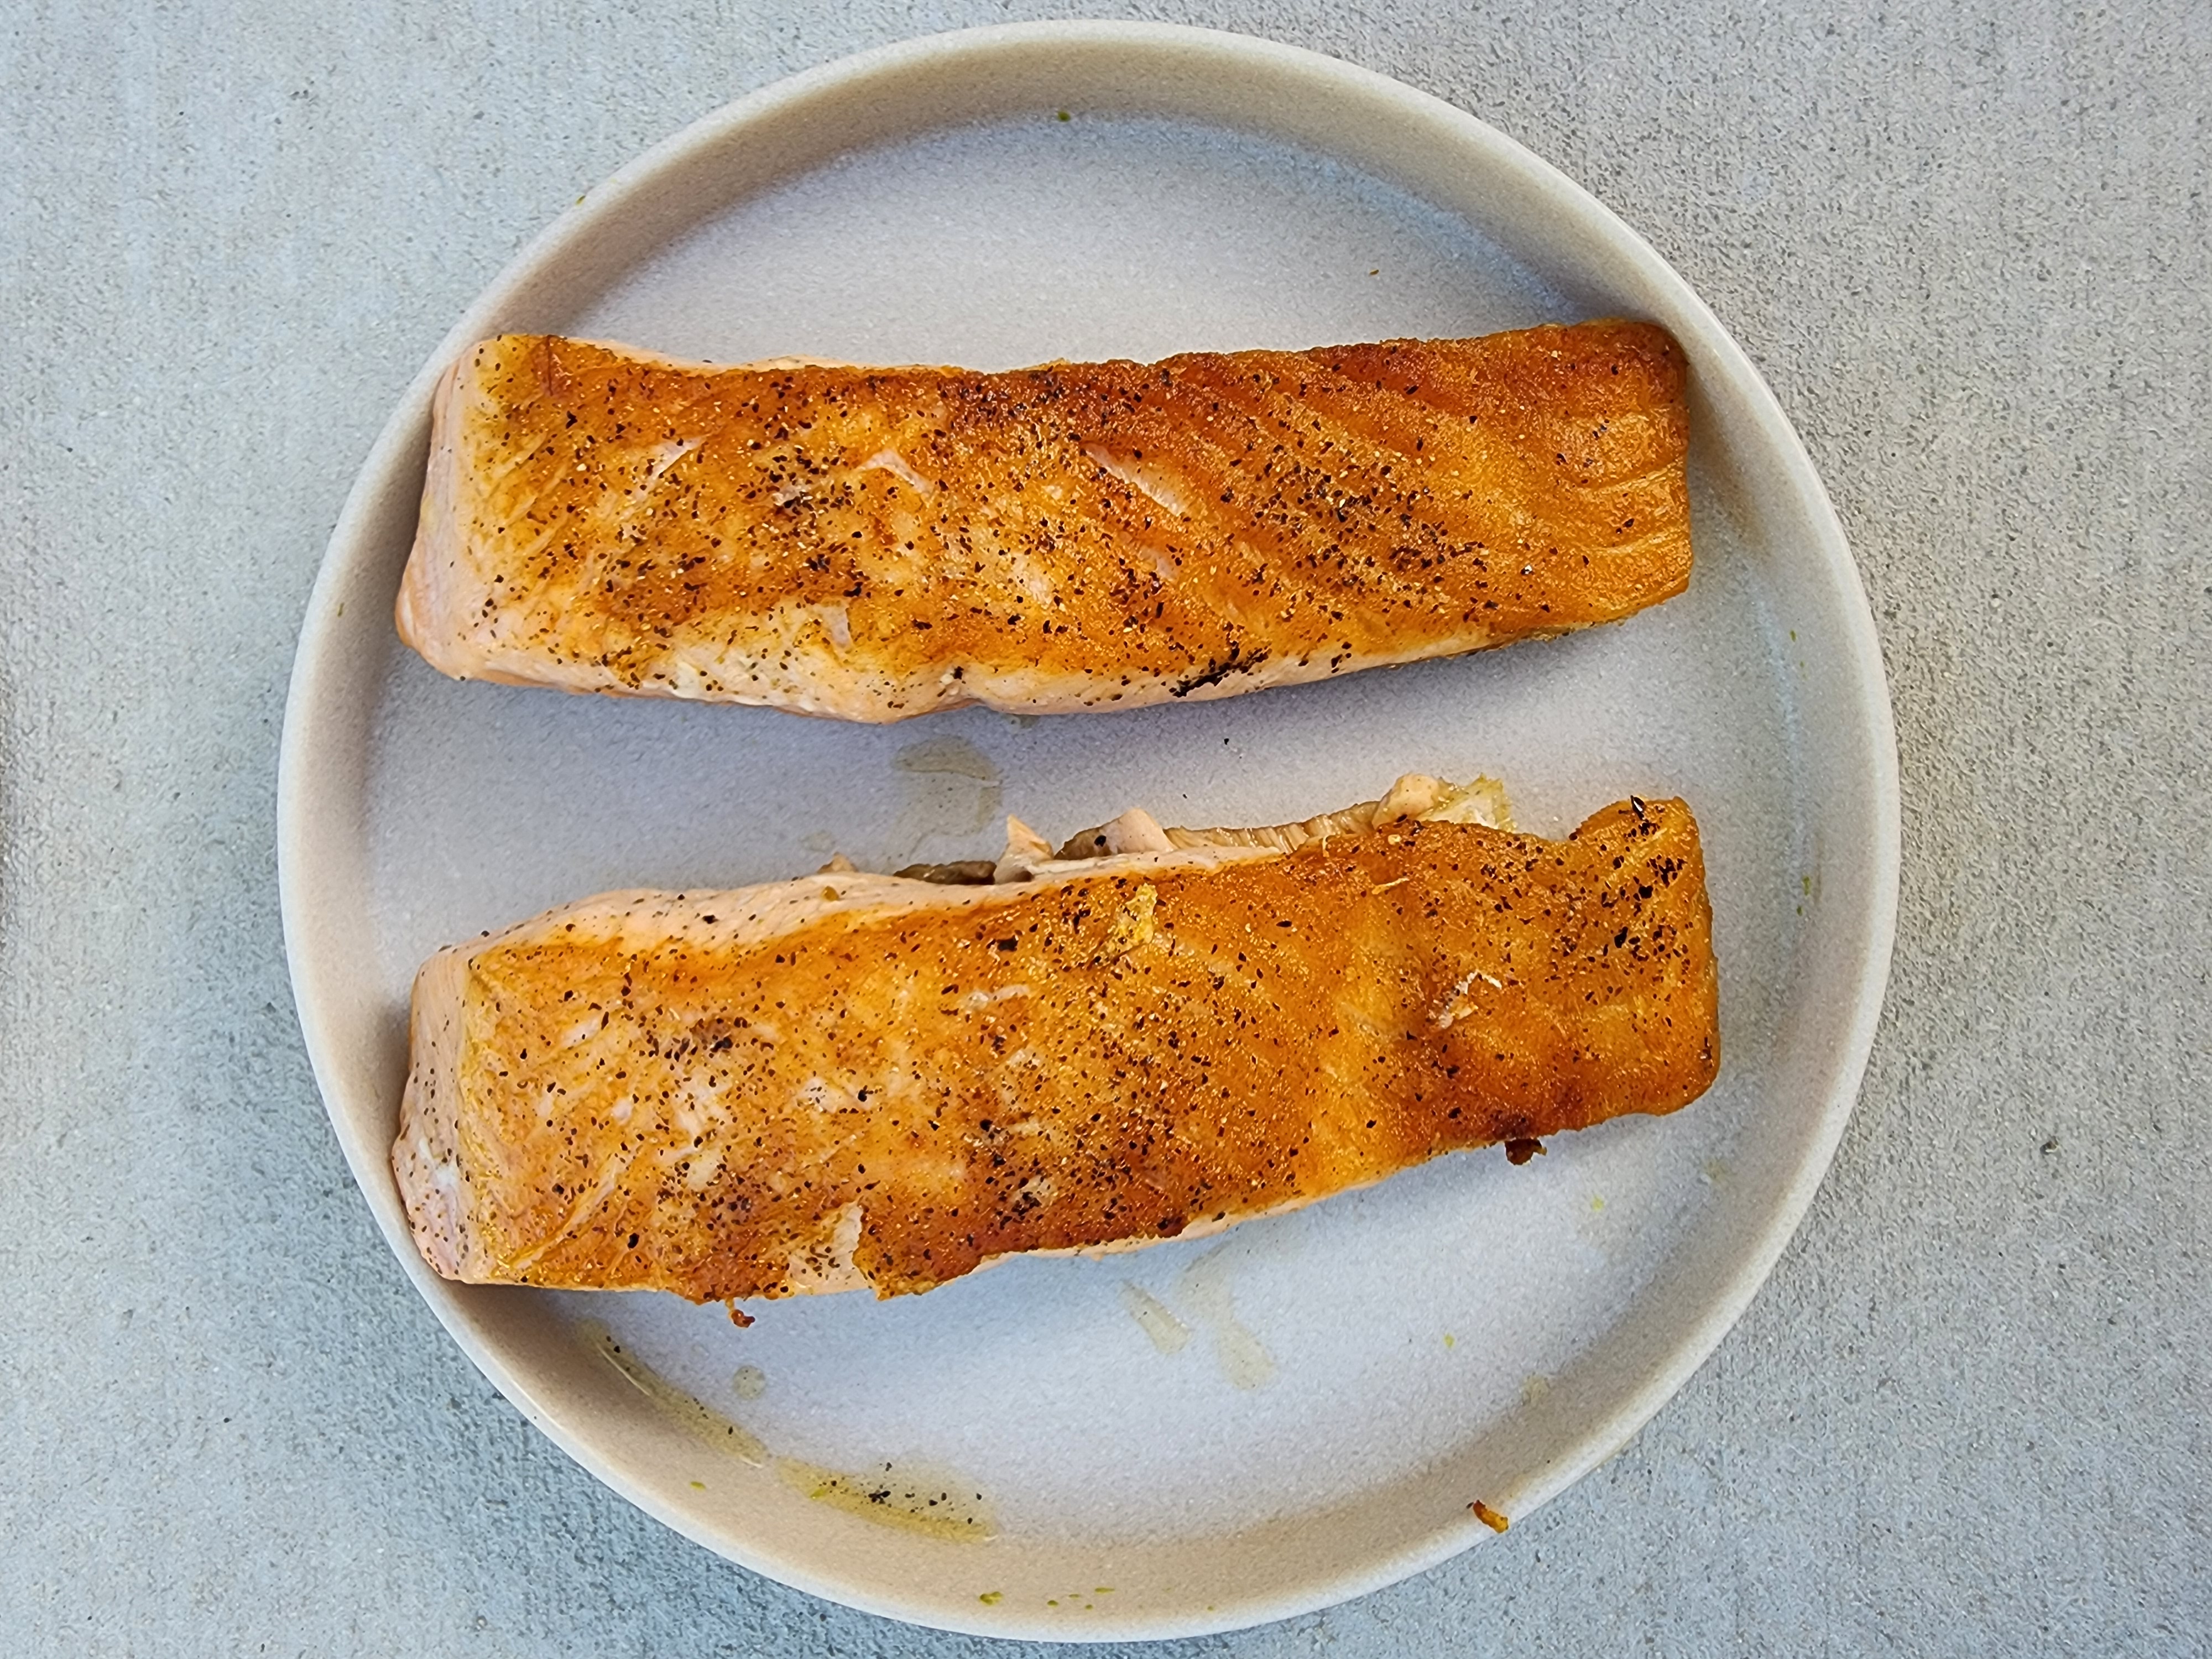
(855, 1081)
(874, 544)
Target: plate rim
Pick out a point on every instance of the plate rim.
(602, 206)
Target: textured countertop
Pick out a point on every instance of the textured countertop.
(1972, 250)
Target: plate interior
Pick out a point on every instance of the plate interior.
(1327, 1386)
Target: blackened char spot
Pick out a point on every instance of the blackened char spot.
(1214, 672)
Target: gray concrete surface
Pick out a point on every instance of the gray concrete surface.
(1971, 249)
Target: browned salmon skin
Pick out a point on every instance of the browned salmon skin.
(858, 1080)
(873, 544)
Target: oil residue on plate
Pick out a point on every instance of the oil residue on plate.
(1243, 1360)
(952, 789)
(907, 1498)
(1600, 1228)
(1078, 1601)
(702, 1420)
(1167, 1333)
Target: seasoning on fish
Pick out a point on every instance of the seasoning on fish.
(857, 1081)
(874, 544)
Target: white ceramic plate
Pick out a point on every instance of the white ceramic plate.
(1355, 1374)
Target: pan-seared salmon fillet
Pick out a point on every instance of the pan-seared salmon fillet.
(889, 1081)
(873, 544)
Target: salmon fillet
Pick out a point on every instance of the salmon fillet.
(861, 1080)
(874, 544)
